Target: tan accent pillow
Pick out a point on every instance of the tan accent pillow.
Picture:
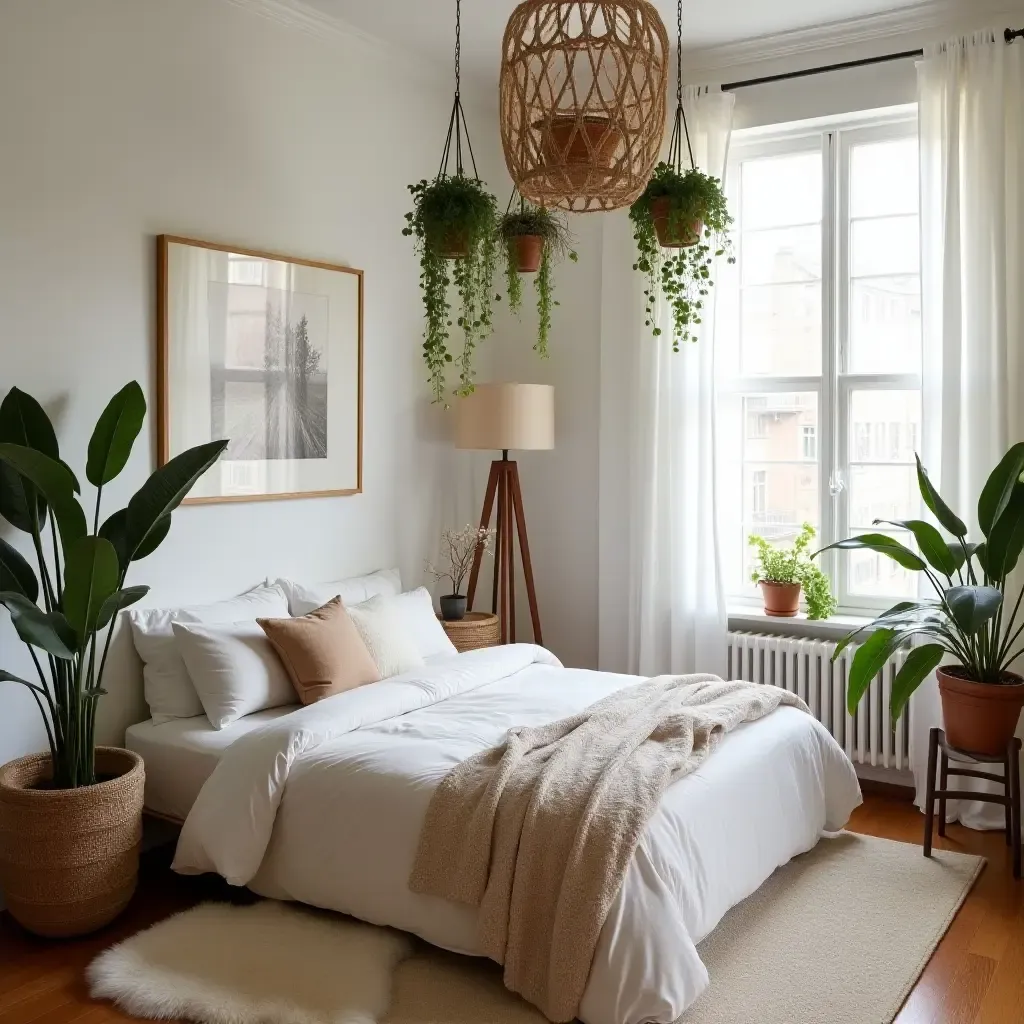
(322, 652)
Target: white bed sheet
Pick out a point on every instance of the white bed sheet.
(326, 808)
(181, 754)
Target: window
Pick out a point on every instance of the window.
(819, 334)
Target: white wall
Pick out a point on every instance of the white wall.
(123, 119)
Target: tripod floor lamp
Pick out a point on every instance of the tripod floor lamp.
(506, 417)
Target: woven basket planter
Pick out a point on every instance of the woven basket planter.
(69, 858)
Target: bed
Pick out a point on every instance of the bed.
(324, 805)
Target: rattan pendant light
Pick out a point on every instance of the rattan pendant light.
(582, 96)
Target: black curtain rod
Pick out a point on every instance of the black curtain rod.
(1009, 35)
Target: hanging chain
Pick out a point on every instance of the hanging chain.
(680, 130)
(457, 126)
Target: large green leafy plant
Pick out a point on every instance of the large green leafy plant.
(682, 276)
(555, 245)
(967, 618)
(61, 609)
(793, 565)
(453, 224)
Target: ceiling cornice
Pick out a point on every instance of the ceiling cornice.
(922, 19)
(307, 19)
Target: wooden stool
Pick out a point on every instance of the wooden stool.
(1010, 781)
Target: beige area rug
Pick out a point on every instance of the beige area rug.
(838, 935)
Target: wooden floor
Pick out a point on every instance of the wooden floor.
(975, 977)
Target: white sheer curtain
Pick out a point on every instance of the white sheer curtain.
(971, 99)
(676, 606)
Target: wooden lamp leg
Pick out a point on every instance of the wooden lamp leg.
(485, 522)
(524, 547)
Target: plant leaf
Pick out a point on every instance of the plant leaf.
(118, 601)
(1006, 540)
(115, 433)
(56, 483)
(883, 544)
(163, 492)
(971, 607)
(91, 575)
(929, 540)
(958, 554)
(115, 529)
(16, 574)
(920, 661)
(23, 421)
(868, 662)
(48, 631)
(945, 515)
(154, 538)
(995, 495)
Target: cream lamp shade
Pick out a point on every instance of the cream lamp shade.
(505, 417)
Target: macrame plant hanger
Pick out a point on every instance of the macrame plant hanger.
(458, 129)
(679, 127)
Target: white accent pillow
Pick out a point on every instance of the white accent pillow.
(384, 629)
(234, 668)
(169, 691)
(305, 598)
(417, 610)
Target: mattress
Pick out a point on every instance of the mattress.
(181, 755)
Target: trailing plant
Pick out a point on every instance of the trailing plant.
(681, 276)
(556, 245)
(61, 608)
(454, 214)
(967, 618)
(794, 565)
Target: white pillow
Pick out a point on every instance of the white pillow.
(417, 610)
(303, 598)
(384, 630)
(234, 668)
(169, 691)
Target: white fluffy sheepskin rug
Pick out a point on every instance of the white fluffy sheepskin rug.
(270, 963)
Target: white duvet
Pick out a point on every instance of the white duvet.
(325, 805)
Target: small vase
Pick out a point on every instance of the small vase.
(673, 236)
(453, 607)
(781, 600)
(528, 250)
(979, 717)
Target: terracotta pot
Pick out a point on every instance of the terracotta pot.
(69, 858)
(979, 717)
(781, 600)
(528, 249)
(684, 235)
(583, 153)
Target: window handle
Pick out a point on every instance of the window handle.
(836, 484)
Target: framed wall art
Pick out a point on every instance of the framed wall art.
(266, 351)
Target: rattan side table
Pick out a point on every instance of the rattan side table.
(475, 630)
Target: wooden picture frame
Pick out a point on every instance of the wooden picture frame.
(295, 420)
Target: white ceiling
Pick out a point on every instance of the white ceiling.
(426, 27)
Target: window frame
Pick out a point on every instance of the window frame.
(834, 139)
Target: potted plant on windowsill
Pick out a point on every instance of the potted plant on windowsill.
(453, 224)
(534, 239)
(683, 211)
(460, 547)
(71, 818)
(967, 619)
(783, 573)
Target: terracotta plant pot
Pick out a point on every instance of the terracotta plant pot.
(979, 717)
(453, 607)
(683, 236)
(781, 600)
(582, 153)
(528, 249)
(454, 245)
(69, 858)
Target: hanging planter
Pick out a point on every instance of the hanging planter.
(454, 227)
(582, 100)
(683, 210)
(533, 239)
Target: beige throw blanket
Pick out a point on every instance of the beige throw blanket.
(539, 831)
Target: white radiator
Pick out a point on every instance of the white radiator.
(805, 668)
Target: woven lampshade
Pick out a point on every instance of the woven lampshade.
(582, 97)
